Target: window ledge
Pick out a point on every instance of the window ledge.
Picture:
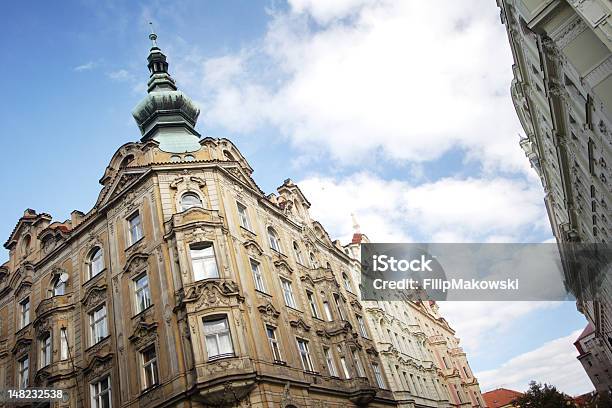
(102, 340)
(149, 389)
(245, 229)
(221, 357)
(143, 311)
(268, 295)
(133, 244)
(280, 362)
(93, 278)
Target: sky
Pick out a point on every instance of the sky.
(396, 111)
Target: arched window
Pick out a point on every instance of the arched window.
(273, 238)
(228, 156)
(347, 282)
(313, 261)
(59, 287)
(25, 244)
(189, 158)
(189, 200)
(298, 253)
(96, 262)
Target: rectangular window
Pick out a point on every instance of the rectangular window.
(218, 339)
(24, 313)
(149, 367)
(591, 152)
(345, 369)
(142, 292)
(63, 343)
(329, 360)
(271, 332)
(203, 262)
(45, 351)
(362, 328)
(378, 375)
(305, 355)
(101, 393)
(313, 304)
(135, 226)
(98, 326)
(257, 276)
(406, 380)
(242, 216)
(358, 366)
(23, 374)
(288, 293)
(327, 309)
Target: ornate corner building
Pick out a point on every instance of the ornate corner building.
(186, 286)
(562, 92)
(424, 364)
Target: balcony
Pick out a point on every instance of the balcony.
(456, 351)
(361, 391)
(437, 339)
(224, 381)
(53, 304)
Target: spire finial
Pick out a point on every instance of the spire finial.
(356, 227)
(153, 36)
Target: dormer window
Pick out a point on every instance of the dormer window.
(190, 200)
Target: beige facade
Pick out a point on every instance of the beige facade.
(424, 364)
(562, 91)
(184, 285)
(593, 357)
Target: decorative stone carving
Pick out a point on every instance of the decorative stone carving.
(268, 311)
(211, 292)
(136, 263)
(98, 366)
(300, 325)
(283, 266)
(253, 248)
(143, 334)
(94, 295)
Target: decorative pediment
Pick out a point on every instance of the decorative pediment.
(268, 310)
(307, 279)
(253, 248)
(342, 328)
(22, 288)
(136, 263)
(372, 351)
(189, 181)
(283, 266)
(121, 182)
(144, 333)
(94, 295)
(300, 325)
(356, 305)
(212, 292)
(21, 345)
(98, 365)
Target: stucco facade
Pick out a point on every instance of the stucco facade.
(562, 91)
(424, 364)
(185, 285)
(593, 357)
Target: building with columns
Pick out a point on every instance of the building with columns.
(562, 92)
(185, 285)
(418, 349)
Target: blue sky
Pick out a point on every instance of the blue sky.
(396, 111)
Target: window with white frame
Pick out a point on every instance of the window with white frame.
(150, 376)
(327, 310)
(24, 312)
(357, 361)
(135, 228)
(243, 216)
(98, 326)
(101, 393)
(23, 372)
(305, 355)
(203, 261)
(142, 293)
(274, 240)
(298, 253)
(343, 364)
(96, 262)
(313, 304)
(63, 343)
(362, 327)
(271, 333)
(378, 375)
(347, 282)
(218, 338)
(190, 200)
(288, 293)
(45, 350)
(257, 276)
(59, 287)
(329, 360)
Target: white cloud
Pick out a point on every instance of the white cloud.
(410, 80)
(120, 75)
(85, 67)
(448, 210)
(554, 363)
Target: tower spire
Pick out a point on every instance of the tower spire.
(153, 36)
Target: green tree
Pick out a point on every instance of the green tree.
(542, 396)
